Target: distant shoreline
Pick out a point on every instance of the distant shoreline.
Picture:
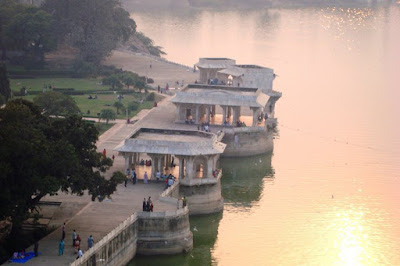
(145, 5)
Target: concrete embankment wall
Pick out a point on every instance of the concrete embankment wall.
(247, 141)
(203, 195)
(144, 233)
(164, 232)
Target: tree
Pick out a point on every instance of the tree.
(30, 31)
(107, 114)
(42, 156)
(5, 90)
(119, 106)
(56, 103)
(113, 81)
(95, 27)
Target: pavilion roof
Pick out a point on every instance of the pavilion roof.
(176, 142)
(221, 95)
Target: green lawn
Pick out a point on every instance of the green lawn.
(81, 84)
(106, 101)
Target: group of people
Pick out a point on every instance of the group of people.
(146, 163)
(240, 124)
(76, 243)
(169, 180)
(132, 175)
(148, 205)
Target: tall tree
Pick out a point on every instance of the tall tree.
(93, 26)
(56, 103)
(40, 155)
(30, 30)
(5, 90)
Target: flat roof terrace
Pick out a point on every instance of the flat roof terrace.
(221, 95)
(177, 142)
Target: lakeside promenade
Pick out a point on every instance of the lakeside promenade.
(99, 218)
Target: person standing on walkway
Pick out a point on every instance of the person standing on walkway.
(73, 237)
(63, 232)
(145, 178)
(104, 153)
(90, 241)
(133, 175)
(36, 248)
(144, 204)
(61, 247)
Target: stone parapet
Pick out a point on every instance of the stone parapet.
(145, 233)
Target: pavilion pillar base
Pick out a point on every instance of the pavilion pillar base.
(204, 198)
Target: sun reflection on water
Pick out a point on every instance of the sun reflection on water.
(352, 240)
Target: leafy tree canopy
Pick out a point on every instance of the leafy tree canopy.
(40, 155)
(27, 29)
(107, 114)
(56, 103)
(93, 26)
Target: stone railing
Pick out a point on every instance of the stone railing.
(171, 194)
(146, 233)
(117, 248)
(201, 181)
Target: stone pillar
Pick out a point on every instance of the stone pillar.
(235, 116)
(130, 161)
(223, 114)
(229, 112)
(168, 161)
(126, 162)
(255, 114)
(213, 111)
(210, 167)
(197, 118)
(178, 112)
(189, 168)
(159, 164)
(181, 168)
(208, 114)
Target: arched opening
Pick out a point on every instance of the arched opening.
(200, 167)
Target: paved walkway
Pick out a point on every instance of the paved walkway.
(99, 218)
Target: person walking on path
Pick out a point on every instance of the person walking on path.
(113, 157)
(73, 237)
(63, 232)
(133, 175)
(90, 242)
(104, 153)
(36, 248)
(61, 247)
(145, 178)
(144, 204)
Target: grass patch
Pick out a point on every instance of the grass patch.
(106, 101)
(36, 84)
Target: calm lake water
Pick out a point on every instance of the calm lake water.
(330, 192)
